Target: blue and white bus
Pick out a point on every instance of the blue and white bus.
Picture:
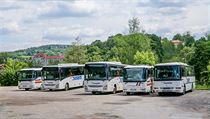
(103, 77)
(30, 78)
(173, 77)
(63, 76)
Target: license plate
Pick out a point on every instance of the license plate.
(167, 90)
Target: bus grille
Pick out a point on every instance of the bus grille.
(166, 88)
(95, 85)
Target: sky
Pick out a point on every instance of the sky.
(30, 23)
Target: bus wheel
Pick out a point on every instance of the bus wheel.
(128, 93)
(160, 94)
(26, 89)
(115, 89)
(184, 90)
(93, 93)
(66, 87)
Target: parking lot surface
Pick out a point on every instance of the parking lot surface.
(76, 104)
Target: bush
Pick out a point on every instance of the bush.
(8, 75)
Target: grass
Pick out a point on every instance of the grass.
(202, 87)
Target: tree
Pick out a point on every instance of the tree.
(201, 58)
(147, 57)
(156, 46)
(186, 54)
(8, 75)
(76, 52)
(134, 25)
(94, 53)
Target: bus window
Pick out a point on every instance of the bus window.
(115, 71)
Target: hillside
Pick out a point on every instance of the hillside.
(47, 49)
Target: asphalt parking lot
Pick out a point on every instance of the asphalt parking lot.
(76, 104)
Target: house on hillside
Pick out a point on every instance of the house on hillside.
(41, 59)
(176, 42)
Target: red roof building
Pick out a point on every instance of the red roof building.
(41, 59)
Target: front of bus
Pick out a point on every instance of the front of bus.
(51, 77)
(96, 77)
(167, 78)
(135, 80)
(29, 79)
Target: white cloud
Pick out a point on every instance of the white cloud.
(35, 23)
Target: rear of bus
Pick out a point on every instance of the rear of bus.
(137, 79)
(103, 77)
(29, 79)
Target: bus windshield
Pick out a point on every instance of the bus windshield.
(95, 72)
(27, 75)
(134, 74)
(167, 72)
(50, 73)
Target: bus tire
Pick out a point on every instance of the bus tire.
(115, 89)
(26, 89)
(66, 87)
(160, 94)
(184, 90)
(128, 93)
(93, 92)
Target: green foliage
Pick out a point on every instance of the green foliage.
(200, 60)
(186, 54)
(3, 57)
(49, 50)
(143, 57)
(156, 46)
(8, 75)
(76, 53)
(202, 87)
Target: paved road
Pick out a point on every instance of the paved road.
(75, 104)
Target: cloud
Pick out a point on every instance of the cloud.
(9, 28)
(68, 34)
(164, 3)
(74, 9)
(6, 8)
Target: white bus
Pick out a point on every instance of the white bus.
(63, 76)
(173, 77)
(138, 78)
(103, 77)
(30, 78)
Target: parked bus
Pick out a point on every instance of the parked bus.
(173, 77)
(29, 78)
(138, 78)
(63, 76)
(103, 77)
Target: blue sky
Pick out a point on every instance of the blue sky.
(25, 24)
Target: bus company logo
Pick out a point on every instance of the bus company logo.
(167, 82)
(77, 77)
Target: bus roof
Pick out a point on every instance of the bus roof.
(66, 65)
(172, 63)
(138, 66)
(34, 69)
(113, 63)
